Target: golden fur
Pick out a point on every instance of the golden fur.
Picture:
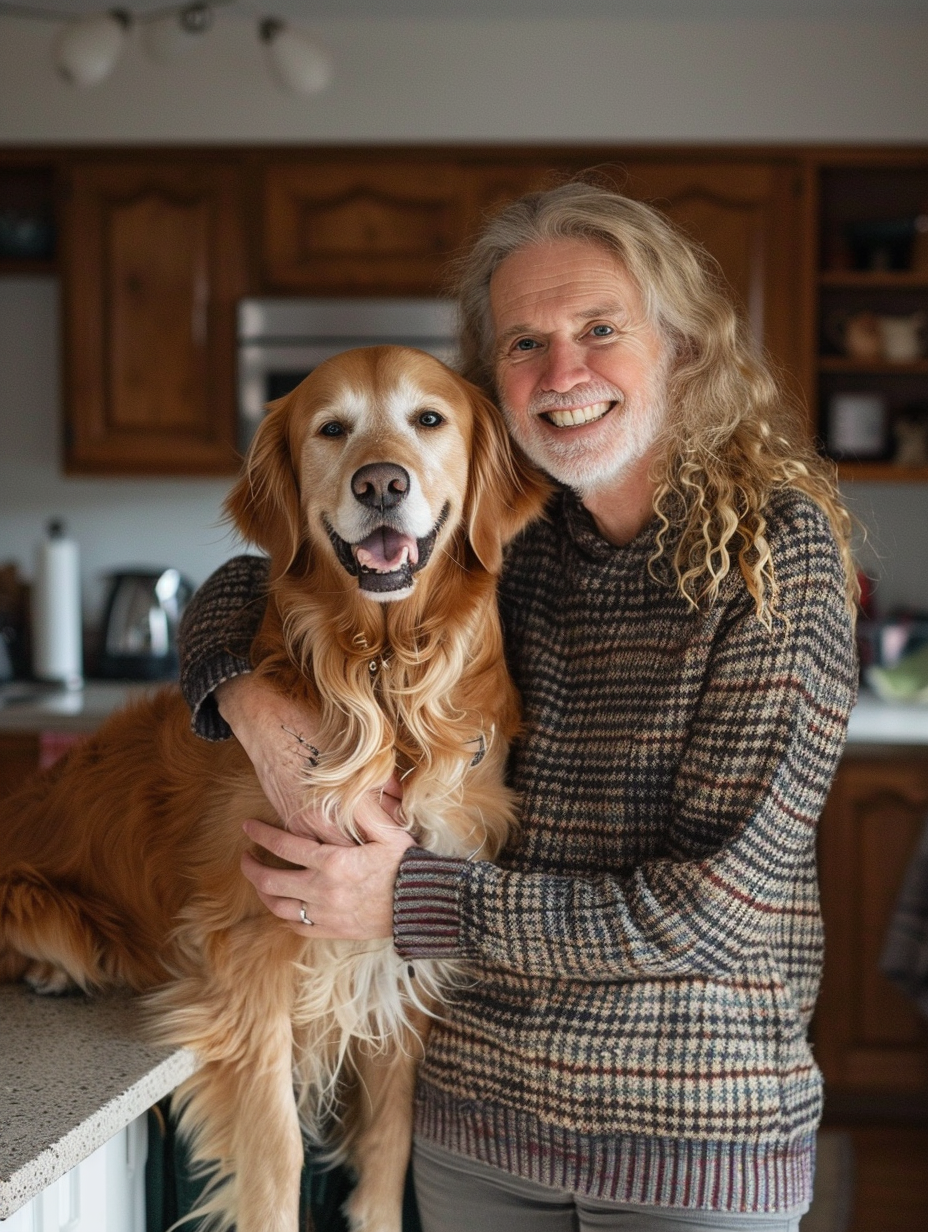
(121, 865)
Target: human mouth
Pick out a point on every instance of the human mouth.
(578, 415)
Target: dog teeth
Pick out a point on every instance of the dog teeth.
(578, 415)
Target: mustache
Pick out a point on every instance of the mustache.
(583, 395)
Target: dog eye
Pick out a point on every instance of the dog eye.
(332, 428)
(430, 419)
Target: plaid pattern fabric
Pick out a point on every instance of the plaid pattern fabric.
(215, 636)
(646, 957)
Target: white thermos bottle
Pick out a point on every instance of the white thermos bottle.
(56, 610)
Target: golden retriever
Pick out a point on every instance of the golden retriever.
(383, 489)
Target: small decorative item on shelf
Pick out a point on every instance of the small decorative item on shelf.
(901, 337)
(910, 432)
(857, 426)
(26, 235)
(862, 337)
(884, 243)
(870, 337)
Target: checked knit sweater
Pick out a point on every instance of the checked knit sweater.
(646, 957)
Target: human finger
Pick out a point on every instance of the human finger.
(272, 883)
(295, 848)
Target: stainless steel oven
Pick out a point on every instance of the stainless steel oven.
(280, 341)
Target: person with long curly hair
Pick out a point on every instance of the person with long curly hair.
(631, 1050)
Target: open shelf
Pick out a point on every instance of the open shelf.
(872, 271)
(28, 239)
(838, 363)
(869, 279)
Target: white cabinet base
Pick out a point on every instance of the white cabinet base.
(104, 1193)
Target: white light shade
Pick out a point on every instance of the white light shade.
(173, 34)
(86, 50)
(296, 61)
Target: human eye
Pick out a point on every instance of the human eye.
(524, 346)
(602, 330)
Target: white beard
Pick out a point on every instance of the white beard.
(596, 460)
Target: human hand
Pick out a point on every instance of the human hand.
(277, 735)
(346, 892)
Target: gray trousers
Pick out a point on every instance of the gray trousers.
(456, 1194)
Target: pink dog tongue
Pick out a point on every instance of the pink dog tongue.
(386, 550)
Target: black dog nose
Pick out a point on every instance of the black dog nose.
(381, 485)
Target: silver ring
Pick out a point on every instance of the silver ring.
(304, 918)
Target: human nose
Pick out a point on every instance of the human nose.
(565, 366)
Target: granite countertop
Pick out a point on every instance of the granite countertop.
(73, 1072)
(892, 723)
(29, 707)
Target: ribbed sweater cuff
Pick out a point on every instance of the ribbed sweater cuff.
(205, 719)
(426, 912)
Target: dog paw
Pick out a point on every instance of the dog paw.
(48, 980)
(363, 1216)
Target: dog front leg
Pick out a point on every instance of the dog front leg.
(239, 1116)
(380, 1136)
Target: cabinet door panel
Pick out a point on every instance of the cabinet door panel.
(384, 227)
(157, 286)
(868, 1034)
(154, 269)
(747, 216)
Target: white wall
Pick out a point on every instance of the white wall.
(528, 80)
(541, 80)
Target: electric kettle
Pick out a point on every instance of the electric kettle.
(143, 610)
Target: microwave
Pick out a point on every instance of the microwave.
(280, 341)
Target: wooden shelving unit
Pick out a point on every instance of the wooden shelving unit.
(870, 257)
(28, 215)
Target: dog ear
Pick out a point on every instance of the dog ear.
(264, 504)
(505, 491)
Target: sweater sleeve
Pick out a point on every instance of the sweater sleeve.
(215, 636)
(763, 747)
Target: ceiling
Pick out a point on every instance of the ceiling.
(602, 10)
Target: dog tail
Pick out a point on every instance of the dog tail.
(54, 928)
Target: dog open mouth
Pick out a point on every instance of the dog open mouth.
(387, 558)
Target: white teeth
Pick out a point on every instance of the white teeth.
(578, 415)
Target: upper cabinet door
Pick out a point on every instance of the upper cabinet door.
(384, 226)
(748, 216)
(154, 266)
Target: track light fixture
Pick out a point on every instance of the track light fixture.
(172, 33)
(86, 49)
(296, 61)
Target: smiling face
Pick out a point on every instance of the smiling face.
(384, 439)
(580, 372)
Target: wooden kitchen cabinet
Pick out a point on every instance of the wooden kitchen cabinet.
(747, 215)
(153, 266)
(383, 225)
(869, 1038)
(155, 247)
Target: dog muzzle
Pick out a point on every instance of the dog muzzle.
(387, 559)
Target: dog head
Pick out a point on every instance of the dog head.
(378, 459)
